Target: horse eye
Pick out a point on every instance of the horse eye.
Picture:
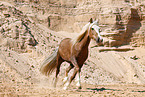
(92, 28)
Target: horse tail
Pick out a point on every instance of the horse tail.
(49, 64)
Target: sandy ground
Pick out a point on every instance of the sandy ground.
(18, 90)
(14, 85)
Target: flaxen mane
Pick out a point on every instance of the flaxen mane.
(81, 35)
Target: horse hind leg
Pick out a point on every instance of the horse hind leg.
(55, 79)
(59, 61)
(66, 73)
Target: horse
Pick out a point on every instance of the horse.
(74, 51)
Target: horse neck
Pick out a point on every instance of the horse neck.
(85, 41)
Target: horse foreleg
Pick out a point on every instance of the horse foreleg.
(78, 80)
(71, 78)
(66, 73)
(76, 70)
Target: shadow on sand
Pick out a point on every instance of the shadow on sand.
(97, 89)
(107, 89)
(102, 89)
(139, 91)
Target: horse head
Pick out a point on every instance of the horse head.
(94, 31)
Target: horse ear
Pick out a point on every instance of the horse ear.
(91, 20)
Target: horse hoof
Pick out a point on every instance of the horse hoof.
(65, 88)
(54, 86)
(79, 87)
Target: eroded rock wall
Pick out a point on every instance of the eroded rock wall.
(122, 21)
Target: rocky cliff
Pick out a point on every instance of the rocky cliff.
(122, 21)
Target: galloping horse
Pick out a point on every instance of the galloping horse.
(73, 51)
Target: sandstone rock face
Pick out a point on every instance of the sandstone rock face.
(124, 19)
(14, 29)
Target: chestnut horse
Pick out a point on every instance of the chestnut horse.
(73, 51)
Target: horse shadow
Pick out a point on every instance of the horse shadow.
(102, 89)
(97, 89)
(139, 91)
(107, 89)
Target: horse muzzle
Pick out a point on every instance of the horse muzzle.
(99, 40)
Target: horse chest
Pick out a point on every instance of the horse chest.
(82, 56)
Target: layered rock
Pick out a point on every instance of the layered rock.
(14, 28)
(124, 18)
